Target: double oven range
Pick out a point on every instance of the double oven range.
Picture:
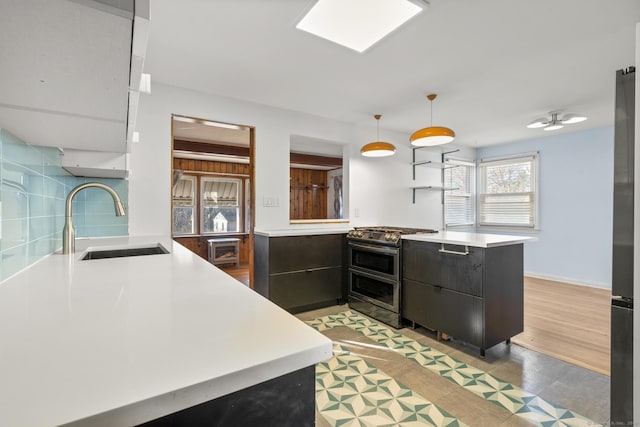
(375, 271)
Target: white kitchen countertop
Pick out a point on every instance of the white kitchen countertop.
(479, 240)
(136, 338)
(287, 232)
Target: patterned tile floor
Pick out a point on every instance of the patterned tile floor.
(380, 376)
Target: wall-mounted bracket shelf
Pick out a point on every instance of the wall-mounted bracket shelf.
(430, 187)
(442, 165)
(432, 164)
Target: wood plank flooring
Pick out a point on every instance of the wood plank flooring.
(240, 273)
(568, 322)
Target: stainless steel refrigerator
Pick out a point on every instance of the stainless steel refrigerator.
(622, 262)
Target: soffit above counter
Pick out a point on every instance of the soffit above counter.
(68, 69)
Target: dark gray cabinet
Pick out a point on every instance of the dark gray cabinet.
(300, 273)
(473, 294)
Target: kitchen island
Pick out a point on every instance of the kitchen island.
(467, 285)
(123, 341)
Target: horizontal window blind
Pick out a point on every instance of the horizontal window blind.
(183, 205)
(183, 191)
(220, 205)
(507, 192)
(458, 201)
(220, 192)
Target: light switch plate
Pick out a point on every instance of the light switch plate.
(270, 202)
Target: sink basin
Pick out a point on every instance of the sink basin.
(156, 249)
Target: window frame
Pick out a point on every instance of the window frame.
(193, 205)
(470, 194)
(243, 207)
(534, 158)
(239, 206)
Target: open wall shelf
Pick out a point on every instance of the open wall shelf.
(442, 165)
(432, 164)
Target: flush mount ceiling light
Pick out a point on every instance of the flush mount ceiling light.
(554, 122)
(432, 135)
(378, 148)
(357, 24)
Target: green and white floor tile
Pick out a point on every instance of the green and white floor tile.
(351, 392)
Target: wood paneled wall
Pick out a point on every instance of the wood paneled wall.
(198, 244)
(308, 194)
(211, 166)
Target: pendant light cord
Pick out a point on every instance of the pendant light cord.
(377, 117)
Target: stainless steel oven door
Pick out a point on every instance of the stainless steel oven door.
(372, 288)
(383, 261)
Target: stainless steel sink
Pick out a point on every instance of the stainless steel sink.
(156, 249)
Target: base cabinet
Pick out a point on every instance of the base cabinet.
(306, 288)
(288, 400)
(457, 314)
(473, 294)
(301, 272)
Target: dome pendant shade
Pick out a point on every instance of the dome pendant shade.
(432, 135)
(378, 148)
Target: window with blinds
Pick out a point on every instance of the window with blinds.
(507, 192)
(184, 204)
(459, 204)
(220, 205)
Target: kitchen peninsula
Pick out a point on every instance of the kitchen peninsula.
(467, 285)
(124, 341)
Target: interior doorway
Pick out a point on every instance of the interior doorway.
(213, 192)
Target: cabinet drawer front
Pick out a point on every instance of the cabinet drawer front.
(454, 313)
(460, 271)
(292, 290)
(305, 252)
(421, 262)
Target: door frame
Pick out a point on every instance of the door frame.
(252, 186)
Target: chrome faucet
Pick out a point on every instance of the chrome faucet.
(69, 233)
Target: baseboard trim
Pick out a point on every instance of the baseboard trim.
(569, 280)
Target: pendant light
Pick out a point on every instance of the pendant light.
(378, 148)
(432, 135)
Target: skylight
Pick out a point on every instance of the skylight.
(357, 24)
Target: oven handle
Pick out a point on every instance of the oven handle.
(374, 276)
(374, 248)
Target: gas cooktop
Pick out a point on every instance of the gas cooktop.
(384, 235)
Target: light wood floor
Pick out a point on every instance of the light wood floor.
(568, 322)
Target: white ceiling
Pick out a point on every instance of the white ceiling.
(209, 132)
(496, 64)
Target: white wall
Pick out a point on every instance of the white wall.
(378, 188)
(381, 186)
(576, 206)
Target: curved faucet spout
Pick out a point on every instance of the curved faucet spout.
(69, 232)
